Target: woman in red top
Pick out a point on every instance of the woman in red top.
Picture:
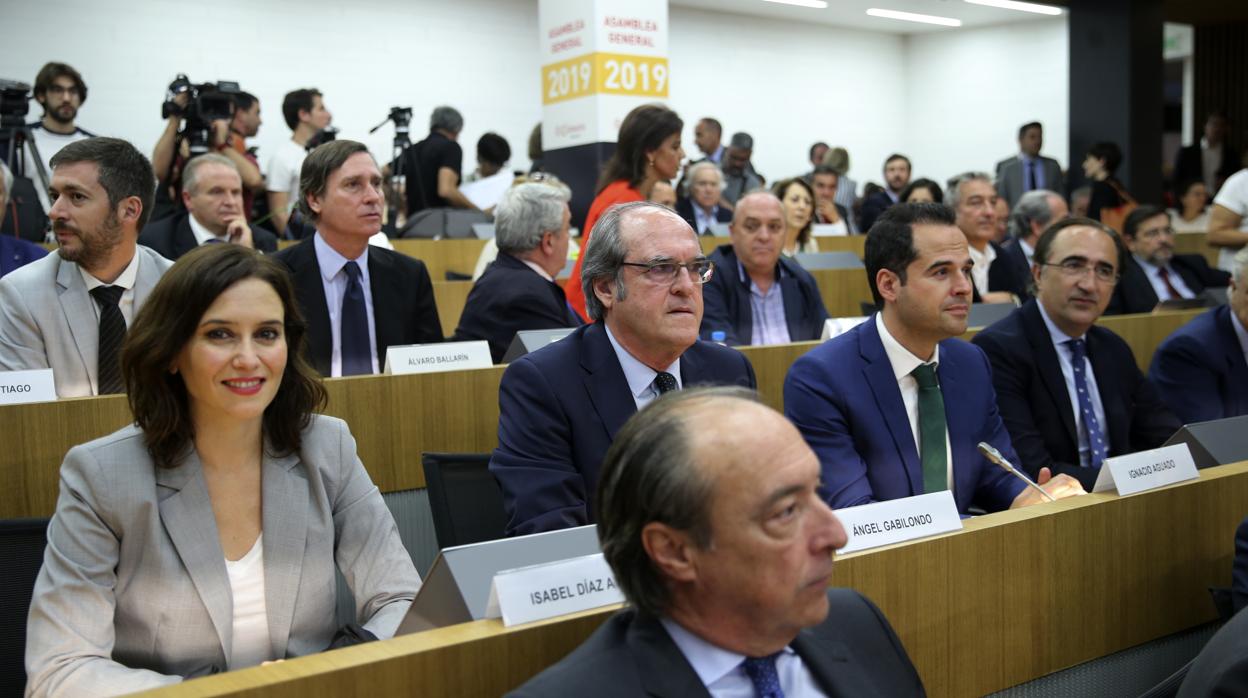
(648, 151)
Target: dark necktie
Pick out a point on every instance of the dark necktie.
(664, 382)
(763, 674)
(356, 354)
(1164, 273)
(932, 452)
(1097, 450)
(112, 333)
(1030, 182)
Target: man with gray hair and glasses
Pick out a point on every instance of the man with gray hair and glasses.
(433, 168)
(711, 520)
(1034, 212)
(561, 406)
(518, 290)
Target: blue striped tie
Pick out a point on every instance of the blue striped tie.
(1097, 450)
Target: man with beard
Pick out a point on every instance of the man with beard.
(61, 91)
(896, 177)
(1153, 272)
(69, 311)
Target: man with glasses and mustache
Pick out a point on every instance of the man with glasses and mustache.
(1070, 392)
(561, 406)
(69, 311)
(61, 91)
(1153, 272)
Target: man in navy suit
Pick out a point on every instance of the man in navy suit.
(561, 406)
(701, 209)
(1034, 212)
(357, 299)
(757, 296)
(712, 524)
(518, 290)
(212, 192)
(1153, 272)
(1069, 391)
(896, 407)
(1202, 369)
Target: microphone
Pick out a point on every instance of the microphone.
(995, 456)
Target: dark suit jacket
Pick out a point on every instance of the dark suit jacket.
(1189, 165)
(684, 207)
(853, 652)
(845, 400)
(560, 407)
(1035, 405)
(1200, 370)
(403, 305)
(1134, 292)
(172, 237)
(1011, 271)
(16, 252)
(1011, 178)
(872, 207)
(1221, 668)
(726, 300)
(510, 297)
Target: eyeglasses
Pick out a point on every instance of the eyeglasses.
(1104, 273)
(665, 273)
(1156, 232)
(62, 90)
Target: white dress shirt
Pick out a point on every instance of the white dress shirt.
(250, 644)
(203, 234)
(1159, 286)
(1065, 360)
(721, 672)
(640, 377)
(979, 272)
(334, 281)
(126, 304)
(904, 363)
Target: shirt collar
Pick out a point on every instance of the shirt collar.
(537, 268)
(710, 662)
(201, 233)
(1150, 269)
(331, 262)
(900, 357)
(639, 376)
(1027, 250)
(983, 259)
(742, 274)
(1056, 335)
(125, 280)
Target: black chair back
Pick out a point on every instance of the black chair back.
(21, 549)
(464, 498)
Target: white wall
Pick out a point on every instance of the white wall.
(969, 91)
(951, 100)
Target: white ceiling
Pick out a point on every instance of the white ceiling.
(853, 13)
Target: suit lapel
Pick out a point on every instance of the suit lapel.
(387, 325)
(285, 510)
(879, 374)
(823, 658)
(311, 292)
(964, 425)
(604, 379)
(183, 238)
(792, 297)
(148, 274)
(1118, 422)
(76, 303)
(188, 519)
(1049, 367)
(664, 671)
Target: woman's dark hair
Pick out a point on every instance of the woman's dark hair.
(169, 319)
(1109, 152)
(643, 130)
(933, 188)
(781, 188)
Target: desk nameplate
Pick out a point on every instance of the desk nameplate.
(899, 520)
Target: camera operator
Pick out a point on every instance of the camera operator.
(306, 115)
(432, 167)
(61, 91)
(244, 125)
(171, 153)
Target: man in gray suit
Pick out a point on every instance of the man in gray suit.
(711, 520)
(69, 311)
(1029, 170)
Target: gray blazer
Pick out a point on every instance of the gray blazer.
(47, 320)
(1010, 178)
(134, 593)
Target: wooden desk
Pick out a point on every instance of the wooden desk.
(1012, 597)
(1196, 243)
(450, 297)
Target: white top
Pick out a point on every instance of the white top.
(640, 377)
(904, 363)
(128, 276)
(334, 280)
(1159, 287)
(250, 644)
(1065, 360)
(49, 144)
(201, 233)
(1199, 224)
(979, 272)
(284, 167)
(721, 672)
(1234, 196)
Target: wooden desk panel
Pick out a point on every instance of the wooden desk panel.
(441, 256)
(843, 290)
(450, 297)
(1196, 243)
(1013, 597)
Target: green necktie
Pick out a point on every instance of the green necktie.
(931, 429)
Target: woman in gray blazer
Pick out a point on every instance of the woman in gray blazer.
(205, 537)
